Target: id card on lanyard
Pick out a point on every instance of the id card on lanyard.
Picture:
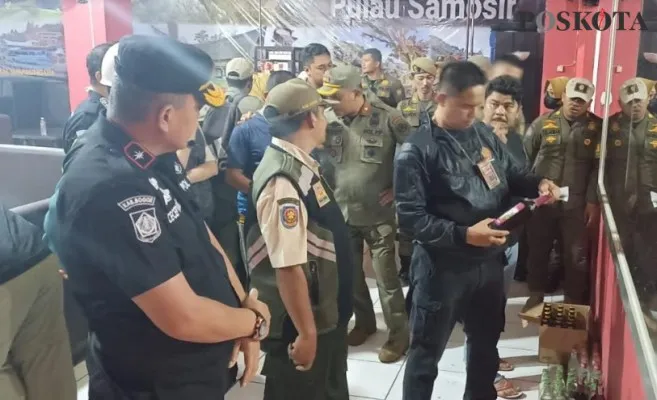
(485, 167)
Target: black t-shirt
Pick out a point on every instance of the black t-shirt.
(516, 148)
(122, 222)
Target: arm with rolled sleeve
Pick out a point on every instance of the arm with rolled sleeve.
(124, 230)
(282, 218)
(411, 181)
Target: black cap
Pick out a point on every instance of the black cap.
(163, 65)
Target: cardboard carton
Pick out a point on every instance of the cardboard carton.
(554, 342)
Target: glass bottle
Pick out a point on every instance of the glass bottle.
(545, 387)
(559, 385)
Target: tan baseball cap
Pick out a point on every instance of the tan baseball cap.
(633, 89)
(424, 65)
(340, 77)
(107, 66)
(580, 88)
(290, 99)
(239, 68)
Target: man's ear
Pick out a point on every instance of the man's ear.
(98, 76)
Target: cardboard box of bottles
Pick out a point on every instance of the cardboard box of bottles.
(562, 327)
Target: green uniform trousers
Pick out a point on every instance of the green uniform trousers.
(326, 380)
(381, 241)
(35, 354)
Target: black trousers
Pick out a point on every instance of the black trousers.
(443, 295)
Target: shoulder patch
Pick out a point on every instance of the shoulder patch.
(400, 125)
(135, 201)
(289, 214)
(146, 225)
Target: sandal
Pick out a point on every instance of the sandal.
(506, 390)
(505, 366)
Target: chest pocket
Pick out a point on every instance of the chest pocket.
(617, 146)
(412, 115)
(550, 141)
(586, 145)
(650, 148)
(334, 142)
(383, 91)
(371, 151)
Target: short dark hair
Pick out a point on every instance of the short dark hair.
(458, 76)
(375, 53)
(510, 59)
(129, 103)
(284, 128)
(311, 51)
(95, 60)
(506, 85)
(240, 84)
(276, 78)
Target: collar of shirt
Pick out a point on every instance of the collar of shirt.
(120, 140)
(297, 153)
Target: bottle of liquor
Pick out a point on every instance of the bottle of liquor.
(560, 315)
(570, 318)
(546, 317)
(571, 379)
(545, 386)
(559, 389)
(594, 386)
(518, 214)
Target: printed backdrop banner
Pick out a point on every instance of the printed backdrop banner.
(401, 29)
(31, 39)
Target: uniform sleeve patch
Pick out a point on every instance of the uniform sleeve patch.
(289, 215)
(135, 201)
(400, 125)
(147, 227)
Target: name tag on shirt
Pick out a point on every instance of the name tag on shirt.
(320, 194)
(489, 174)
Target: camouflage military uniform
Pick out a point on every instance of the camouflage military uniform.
(567, 154)
(358, 159)
(389, 90)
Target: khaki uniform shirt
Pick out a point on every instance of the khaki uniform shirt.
(412, 109)
(631, 167)
(282, 215)
(388, 89)
(359, 158)
(567, 153)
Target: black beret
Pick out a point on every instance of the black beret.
(163, 65)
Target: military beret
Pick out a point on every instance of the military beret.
(163, 65)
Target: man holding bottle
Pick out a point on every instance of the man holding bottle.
(449, 184)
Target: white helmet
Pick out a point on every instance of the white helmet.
(107, 67)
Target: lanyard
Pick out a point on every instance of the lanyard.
(465, 153)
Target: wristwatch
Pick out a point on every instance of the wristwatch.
(260, 328)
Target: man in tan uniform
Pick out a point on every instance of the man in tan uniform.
(563, 146)
(418, 111)
(300, 254)
(389, 89)
(358, 157)
(631, 182)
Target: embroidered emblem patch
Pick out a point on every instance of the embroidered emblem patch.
(486, 154)
(138, 155)
(147, 227)
(289, 215)
(587, 142)
(618, 143)
(135, 201)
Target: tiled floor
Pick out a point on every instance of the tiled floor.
(369, 379)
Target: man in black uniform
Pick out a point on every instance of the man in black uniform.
(87, 112)
(449, 183)
(165, 307)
